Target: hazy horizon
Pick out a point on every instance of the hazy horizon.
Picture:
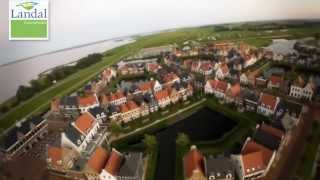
(76, 22)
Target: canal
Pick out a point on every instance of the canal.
(203, 125)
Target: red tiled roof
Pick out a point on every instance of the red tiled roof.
(271, 130)
(117, 95)
(213, 83)
(146, 86)
(84, 122)
(224, 68)
(268, 100)
(55, 154)
(98, 159)
(87, 100)
(161, 95)
(170, 77)
(153, 66)
(114, 163)
(206, 66)
(130, 105)
(275, 80)
(193, 161)
(255, 157)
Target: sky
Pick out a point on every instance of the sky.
(74, 22)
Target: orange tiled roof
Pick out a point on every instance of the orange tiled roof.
(161, 95)
(98, 159)
(268, 100)
(271, 130)
(153, 66)
(170, 77)
(224, 68)
(55, 154)
(193, 161)
(213, 83)
(206, 66)
(235, 90)
(84, 122)
(130, 105)
(87, 100)
(146, 86)
(222, 86)
(114, 163)
(255, 157)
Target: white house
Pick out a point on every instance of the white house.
(223, 71)
(300, 90)
(162, 97)
(244, 79)
(80, 132)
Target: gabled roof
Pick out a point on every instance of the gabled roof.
(96, 111)
(69, 101)
(192, 161)
(88, 100)
(235, 90)
(161, 94)
(130, 105)
(268, 100)
(219, 167)
(146, 86)
(222, 86)
(255, 157)
(73, 134)
(114, 162)
(170, 77)
(274, 79)
(98, 159)
(55, 154)
(85, 122)
(266, 139)
(271, 130)
(131, 165)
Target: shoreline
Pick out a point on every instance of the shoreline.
(68, 48)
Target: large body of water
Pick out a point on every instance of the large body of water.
(21, 72)
(203, 125)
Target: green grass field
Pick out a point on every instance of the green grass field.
(40, 102)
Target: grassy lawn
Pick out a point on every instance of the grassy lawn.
(151, 166)
(306, 162)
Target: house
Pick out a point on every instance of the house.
(244, 79)
(129, 111)
(194, 165)
(219, 168)
(112, 166)
(59, 158)
(152, 103)
(173, 95)
(275, 81)
(88, 102)
(132, 167)
(69, 106)
(206, 68)
(117, 99)
(80, 133)
(221, 89)
(21, 137)
(182, 90)
(162, 97)
(150, 86)
(268, 136)
(144, 107)
(153, 67)
(261, 81)
(210, 86)
(107, 75)
(233, 94)
(96, 162)
(223, 71)
(254, 160)
(114, 112)
(170, 79)
(267, 104)
(299, 89)
(249, 59)
(250, 100)
(99, 114)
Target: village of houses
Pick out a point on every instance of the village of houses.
(79, 124)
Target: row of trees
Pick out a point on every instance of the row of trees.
(25, 92)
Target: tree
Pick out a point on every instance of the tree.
(182, 140)
(115, 128)
(151, 142)
(24, 92)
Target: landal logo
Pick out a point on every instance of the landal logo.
(28, 20)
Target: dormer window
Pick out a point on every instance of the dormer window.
(212, 177)
(229, 176)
